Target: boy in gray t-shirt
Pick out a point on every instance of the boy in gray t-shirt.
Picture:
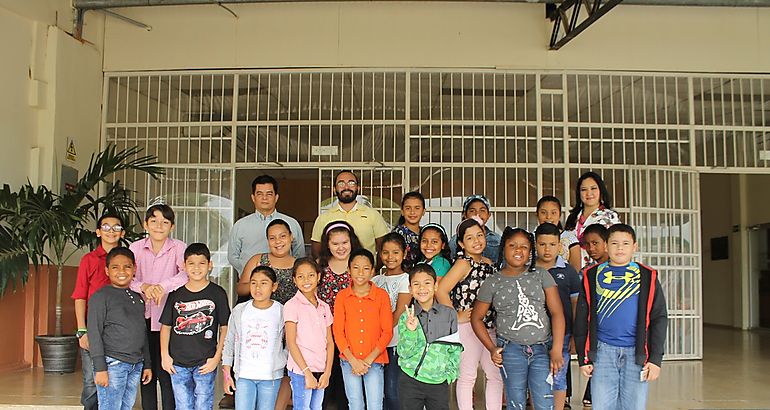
(520, 305)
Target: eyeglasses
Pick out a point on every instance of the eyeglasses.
(350, 184)
(113, 228)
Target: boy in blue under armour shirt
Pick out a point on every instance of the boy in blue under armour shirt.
(620, 325)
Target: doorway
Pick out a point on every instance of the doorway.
(759, 254)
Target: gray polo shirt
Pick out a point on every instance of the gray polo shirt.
(249, 237)
(437, 322)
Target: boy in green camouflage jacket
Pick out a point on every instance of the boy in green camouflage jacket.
(428, 346)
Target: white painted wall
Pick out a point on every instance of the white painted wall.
(435, 34)
(18, 121)
(52, 90)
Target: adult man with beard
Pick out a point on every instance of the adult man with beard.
(366, 222)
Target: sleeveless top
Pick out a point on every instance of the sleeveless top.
(464, 293)
(286, 287)
(330, 284)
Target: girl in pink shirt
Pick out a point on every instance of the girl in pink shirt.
(309, 338)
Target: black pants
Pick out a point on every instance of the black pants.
(149, 390)
(416, 395)
(587, 394)
(335, 393)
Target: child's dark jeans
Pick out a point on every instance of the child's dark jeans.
(88, 395)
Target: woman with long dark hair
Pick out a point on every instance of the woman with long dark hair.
(592, 206)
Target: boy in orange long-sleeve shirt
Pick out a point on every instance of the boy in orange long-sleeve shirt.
(363, 326)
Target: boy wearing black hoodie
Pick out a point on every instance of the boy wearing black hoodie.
(620, 325)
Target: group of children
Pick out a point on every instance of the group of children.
(399, 329)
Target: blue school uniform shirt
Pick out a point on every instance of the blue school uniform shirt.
(568, 283)
(617, 303)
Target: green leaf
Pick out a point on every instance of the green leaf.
(37, 224)
(14, 261)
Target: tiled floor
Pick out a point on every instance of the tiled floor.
(734, 374)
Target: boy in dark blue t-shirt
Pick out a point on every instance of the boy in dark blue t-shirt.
(547, 242)
(620, 325)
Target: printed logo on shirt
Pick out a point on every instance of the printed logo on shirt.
(625, 286)
(194, 317)
(526, 315)
(256, 339)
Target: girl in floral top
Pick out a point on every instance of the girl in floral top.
(592, 206)
(337, 242)
(280, 259)
(412, 211)
(459, 289)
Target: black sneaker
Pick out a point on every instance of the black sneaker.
(227, 402)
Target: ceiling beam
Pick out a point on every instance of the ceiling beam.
(103, 4)
(568, 21)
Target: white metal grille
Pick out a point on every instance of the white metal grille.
(663, 211)
(203, 206)
(514, 136)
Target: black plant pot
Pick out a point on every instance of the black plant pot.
(59, 353)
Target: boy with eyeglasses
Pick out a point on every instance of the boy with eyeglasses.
(91, 277)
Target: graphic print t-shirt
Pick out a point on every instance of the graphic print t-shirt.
(195, 318)
(520, 304)
(262, 352)
(617, 303)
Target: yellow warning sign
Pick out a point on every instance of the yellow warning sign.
(72, 155)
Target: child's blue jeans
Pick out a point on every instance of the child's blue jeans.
(372, 382)
(256, 394)
(302, 398)
(193, 390)
(526, 366)
(615, 382)
(560, 378)
(123, 383)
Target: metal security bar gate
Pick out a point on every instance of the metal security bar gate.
(513, 136)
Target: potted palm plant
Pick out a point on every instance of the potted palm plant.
(40, 226)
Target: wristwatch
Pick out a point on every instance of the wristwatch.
(80, 333)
